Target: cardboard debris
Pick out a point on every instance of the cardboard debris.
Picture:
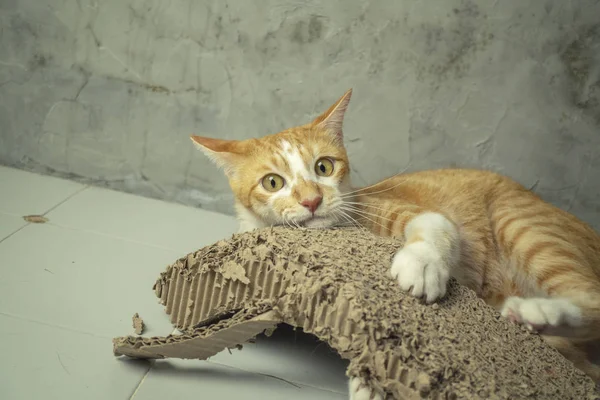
(336, 285)
(138, 324)
(36, 219)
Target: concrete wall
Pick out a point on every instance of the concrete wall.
(108, 91)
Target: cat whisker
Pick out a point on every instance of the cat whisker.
(349, 208)
(337, 208)
(345, 222)
(353, 221)
(367, 206)
(290, 222)
(360, 213)
(369, 219)
(362, 226)
(374, 223)
(358, 210)
(349, 220)
(358, 191)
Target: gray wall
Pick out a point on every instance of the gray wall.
(108, 91)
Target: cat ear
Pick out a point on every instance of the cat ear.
(224, 153)
(333, 119)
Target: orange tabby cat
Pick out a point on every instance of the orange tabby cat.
(538, 265)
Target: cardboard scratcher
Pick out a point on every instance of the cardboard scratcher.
(336, 285)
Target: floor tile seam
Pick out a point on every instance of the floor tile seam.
(14, 232)
(52, 208)
(10, 214)
(295, 383)
(25, 223)
(142, 380)
(69, 197)
(60, 327)
(152, 363)
(107, 235)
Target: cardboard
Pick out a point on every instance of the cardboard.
(138, 324)
(336, 285)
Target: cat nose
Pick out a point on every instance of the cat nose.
(312, 204)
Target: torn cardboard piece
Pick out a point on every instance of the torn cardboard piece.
(200, 343)
(138, 324)
(336, 285)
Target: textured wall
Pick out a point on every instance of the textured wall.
(108, 91)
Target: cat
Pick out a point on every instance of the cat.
(536, 264)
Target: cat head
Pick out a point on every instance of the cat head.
(297, 177)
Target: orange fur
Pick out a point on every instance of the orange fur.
(511, 242)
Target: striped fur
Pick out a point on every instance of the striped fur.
(512, 243)
(537, 264)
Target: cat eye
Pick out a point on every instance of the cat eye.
(324, 167)
(273, 182)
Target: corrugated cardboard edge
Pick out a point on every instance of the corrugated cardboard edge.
(200, 344)
(193, 293)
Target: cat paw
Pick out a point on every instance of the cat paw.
(420, 270)
(358, 390)
(553, 317)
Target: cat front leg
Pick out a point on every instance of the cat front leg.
(359, 390)
(431, 251)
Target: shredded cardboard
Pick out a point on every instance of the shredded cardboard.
(336, 285)
(138, 324)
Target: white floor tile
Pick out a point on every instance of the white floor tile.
(187, 379)
(122, 215)
(291, 355)
(44, 362)
(23, 193)
(83, 281)
(9, 224)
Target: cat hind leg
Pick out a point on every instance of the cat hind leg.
(547, 316)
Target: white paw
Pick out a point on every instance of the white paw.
(420, 269)
(554, 317)
(360, 391)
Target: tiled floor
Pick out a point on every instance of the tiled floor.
(69, 285)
